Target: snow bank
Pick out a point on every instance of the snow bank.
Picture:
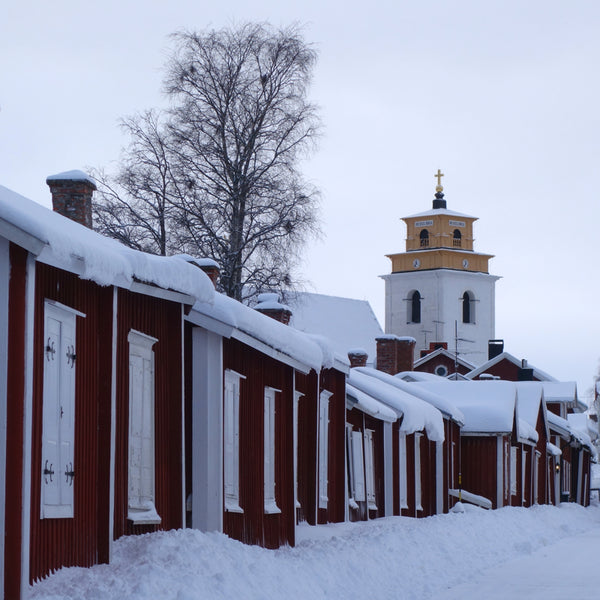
(98, 258)
(391, 558)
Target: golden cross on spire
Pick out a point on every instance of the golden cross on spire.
(439, 176)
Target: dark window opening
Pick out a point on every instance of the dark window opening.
(415, 313)
(466, 308)
(457, 238)
(424, 235)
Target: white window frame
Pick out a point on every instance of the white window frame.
(358, 466)
(323, 447)
(370, 468)
(141, 472)
(297, 396)
(418, 491)
(270, 504)
(231, 441)
(536, 472)
(439, 477)
(58, 413)
(402, 475)
(513, 470)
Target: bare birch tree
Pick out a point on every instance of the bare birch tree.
(226, 162)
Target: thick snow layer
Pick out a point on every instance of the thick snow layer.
(392, 558)
(560, 391)
(347, 322)
(488, 406)
(369, 405)
(100, 259)
(74, 175)
(439, 211)
(418, 415)
(309, 350)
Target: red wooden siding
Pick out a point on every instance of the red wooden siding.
(160, 319)
(478, 464)
(254, 526)
(506, 370)
(14, 433)
(307, 446)
(431, 365)
(83, 539)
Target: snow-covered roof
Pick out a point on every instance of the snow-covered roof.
(530, 400)
(70, 246)
(580, 422)
(433, 212)
(270, 301)
(445, 406)
(538, 373)
(488, 406)
(409, 376)
(417, 414)
(552, 449)
(347, 322)
(369, 405)
(570, 428)
(248, 325)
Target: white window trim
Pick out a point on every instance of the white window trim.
(513, 470)
(403, 483)
(58, 421)
(418, 492)
(439, 477)
(323, 447)
(141, 505)
(231, 437)
(270, 504)
(370, 469)
(358, 466)
(536, 471)
(350, 468)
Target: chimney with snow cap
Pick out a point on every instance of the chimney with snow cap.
(357, 357)
(208, 265)
(395, 354)
(268, 304)
(72, 195)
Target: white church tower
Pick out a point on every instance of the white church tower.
(440, 289)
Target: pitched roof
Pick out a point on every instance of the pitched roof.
(347, 322)
(538, 373)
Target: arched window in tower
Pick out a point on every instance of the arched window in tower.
(457, 238)
(424, 235)
(468, 307)
(415, 307)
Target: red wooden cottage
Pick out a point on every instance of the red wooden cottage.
(93, 373)
(414, 454)
(271, 452)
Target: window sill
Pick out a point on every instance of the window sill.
(272, 509)
(144, 516)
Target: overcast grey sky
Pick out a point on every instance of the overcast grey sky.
(501, 95)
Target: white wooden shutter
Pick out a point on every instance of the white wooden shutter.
(418, 498)
(370, 469)
(142, 510)
(513, 470)
(58, 413)
(270, 504)
(323, 446)
(231, 441)
(402, 470)
(359, 467)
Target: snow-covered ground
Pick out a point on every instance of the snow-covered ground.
(511, 552)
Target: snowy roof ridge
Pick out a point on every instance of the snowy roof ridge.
(417, 415)
(432, 212)
(513, 359)
(78, 249)
(371, 406)
(445, 352)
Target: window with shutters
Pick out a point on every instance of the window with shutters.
(269, 450)
(231, 441)
(141, 492)
(323, 446)
(370, 469)
(58, 412)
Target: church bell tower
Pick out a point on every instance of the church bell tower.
(440, 290)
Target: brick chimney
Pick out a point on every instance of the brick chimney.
(358, 357)
(395, 354)
(72, 195)
(268, 304)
